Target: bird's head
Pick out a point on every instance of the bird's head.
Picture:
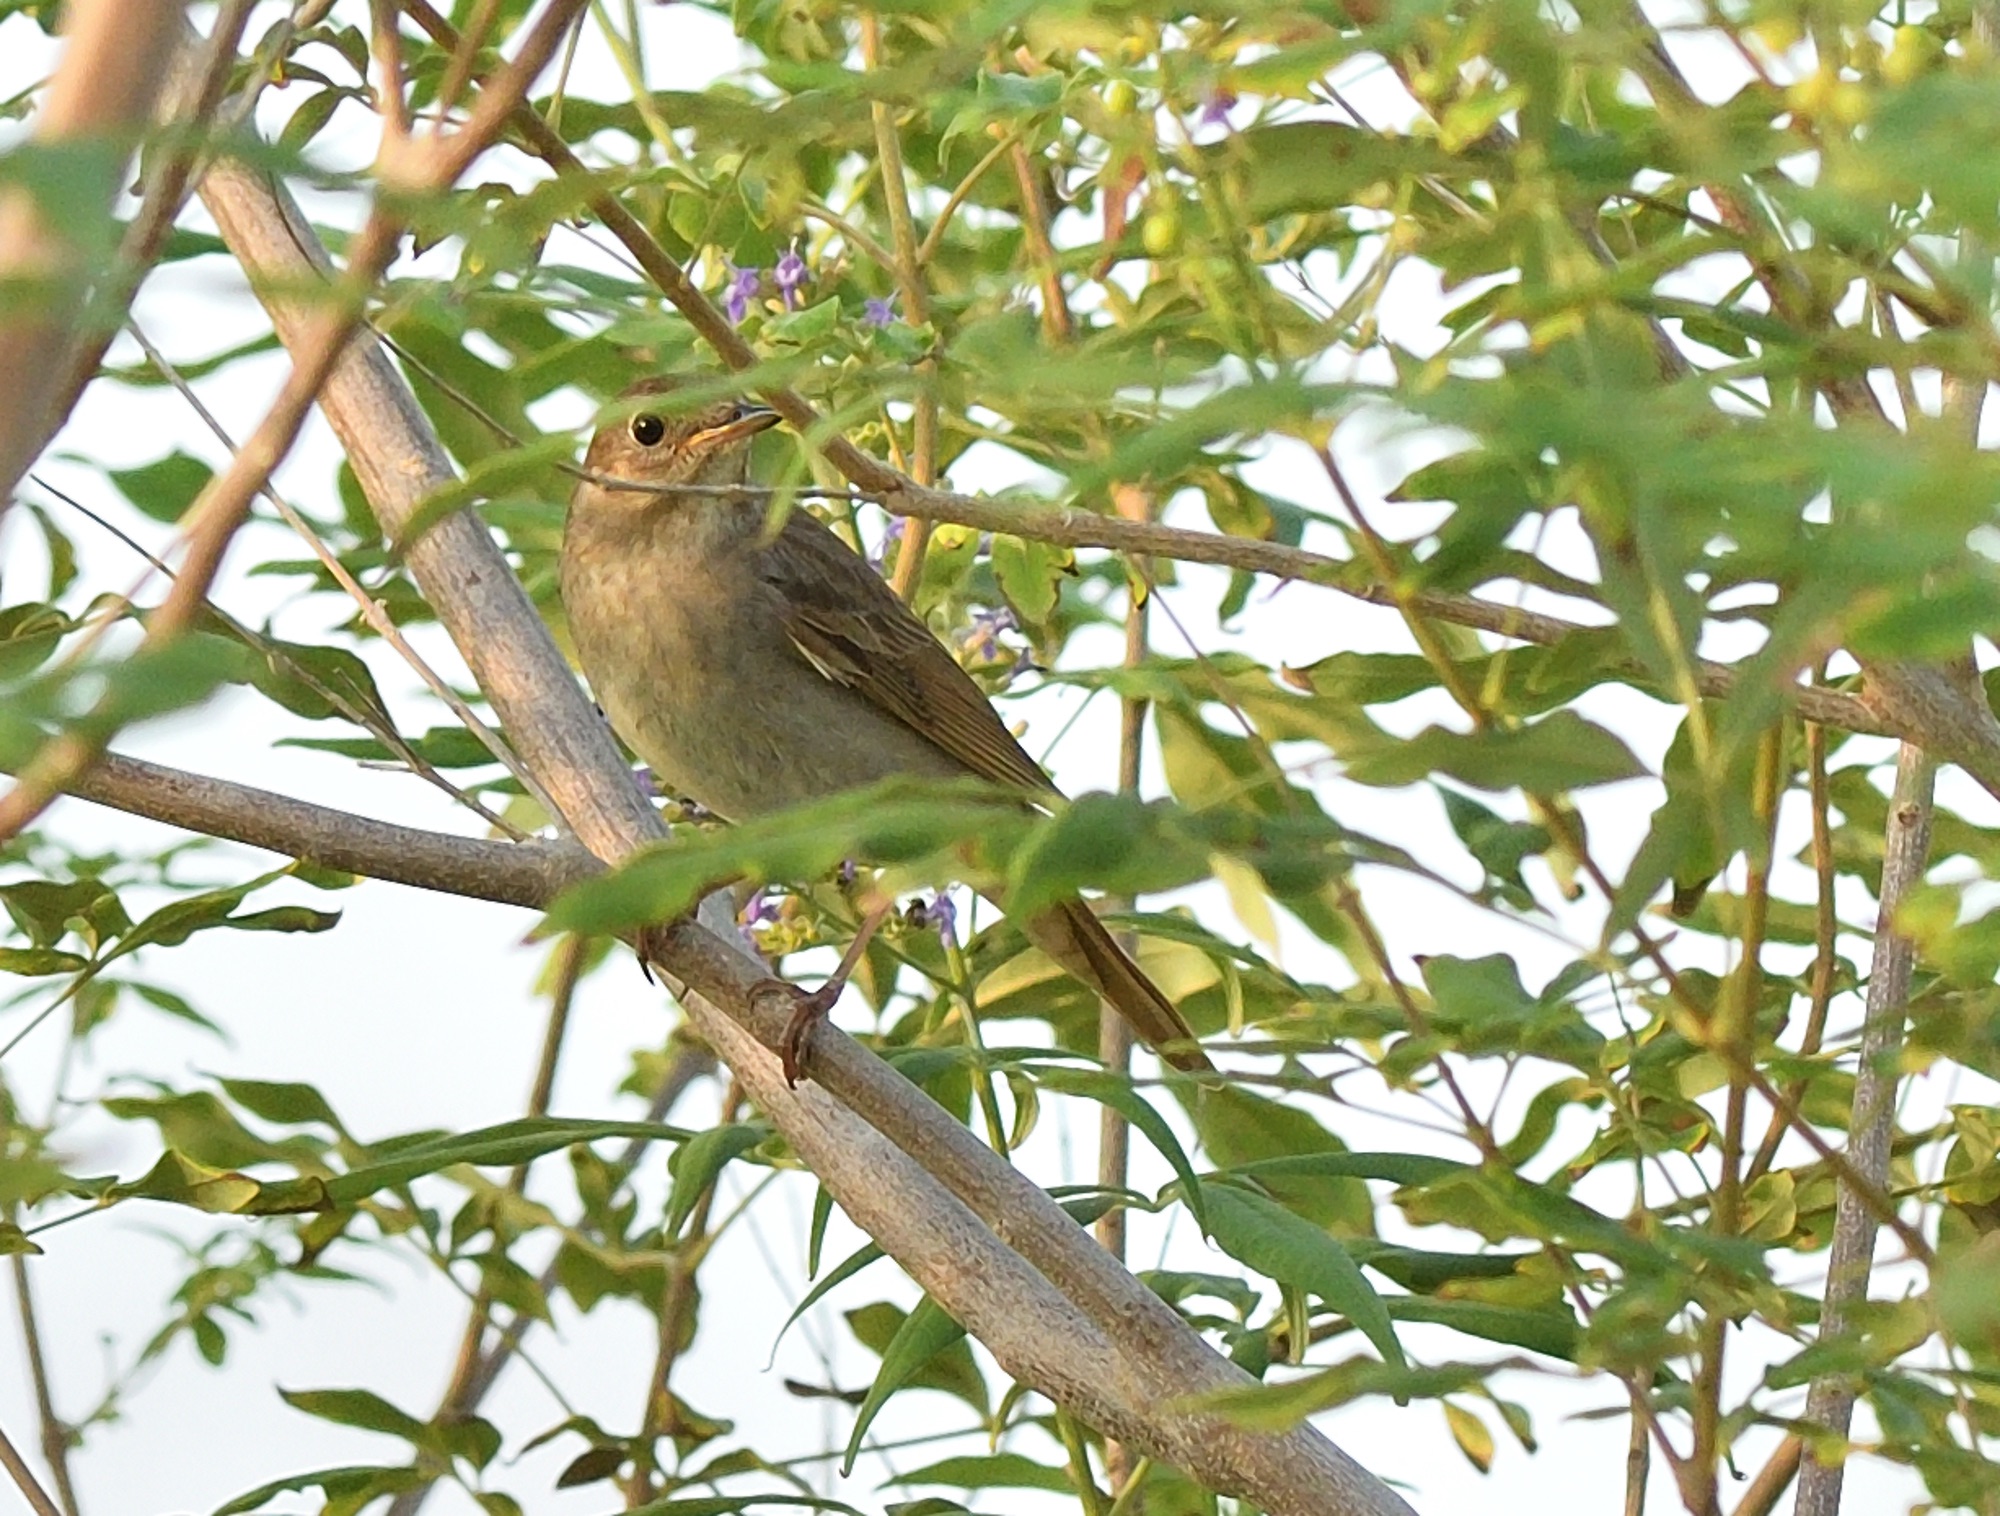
(648, 439)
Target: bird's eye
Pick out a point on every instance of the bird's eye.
(648, 429)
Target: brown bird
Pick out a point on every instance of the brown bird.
(754, 671)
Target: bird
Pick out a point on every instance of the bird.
(754, 670)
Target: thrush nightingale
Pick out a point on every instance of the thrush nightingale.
(755, 670)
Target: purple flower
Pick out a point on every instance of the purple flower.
(876, 311)
(761, 909)
(648, 782)
(790, 274)
(1215, 110)
(848, 873)
(743, 284)
(940, 913)
(898, 525)
(982, 637)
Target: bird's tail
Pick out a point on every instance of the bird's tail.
(1071, 934)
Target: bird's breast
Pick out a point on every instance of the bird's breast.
(696, 673)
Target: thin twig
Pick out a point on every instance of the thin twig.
(24, 1479)
(909, 270)
(55, 1434)
(1826, 925)
(1114, 1033)
(460, 1399)
(1769, 1484)
(391, 101)
(1732, 1035)
(1905, 855)
(1041, 249)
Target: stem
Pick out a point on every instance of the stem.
(1056, 321)
(24, 1478)
(916, 301)
(677, 1301)
(55, 1435)
(1825, 927)
(1733, 1036)
(1114, 1033)
(1906, 851)
(1638, 1456)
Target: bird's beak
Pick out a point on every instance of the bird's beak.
(750, 419)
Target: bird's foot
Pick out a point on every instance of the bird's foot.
(809, 1009)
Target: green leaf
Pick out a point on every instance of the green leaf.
(1482, 1002)
(363, 1409)
(989, 1471)
(918, 826)
(1553, 1331)
(925, 1349)
(920, 1338)
(166, 488)
(843, 1271)
(1291, 1250)
(500, 1146)
(1117, 1092)
(179, 1180)
(33, 962)
(696, 1163)
(292, 1104)
(1560, 752)
(349, 1488)
(1239, 1128)
(1030, 575)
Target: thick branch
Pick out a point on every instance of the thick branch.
(1071, 1322)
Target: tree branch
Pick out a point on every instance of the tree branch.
(529, 874)
(1905, 855)
(112, 69)
(1059, 1313)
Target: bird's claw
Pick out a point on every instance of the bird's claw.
(809, 1009)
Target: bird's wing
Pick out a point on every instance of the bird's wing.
(856, 631)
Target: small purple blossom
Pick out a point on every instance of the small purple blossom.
(648, 782)
(1215, 110)
(743, 283)
(876, 311)
(761, 909)
(898, 525)
(982, 637)
(940, 913)
(848, 873)
(789, 275)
